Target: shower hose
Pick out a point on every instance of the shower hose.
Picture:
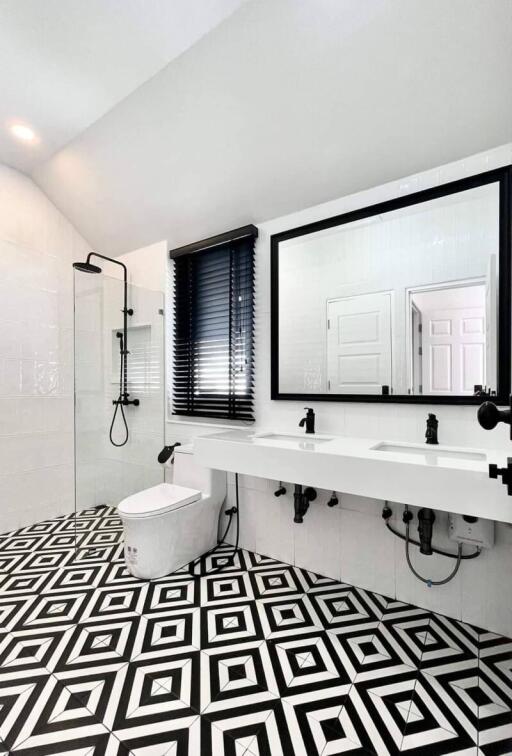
(119, 405)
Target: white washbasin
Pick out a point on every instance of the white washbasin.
(447, 478)
(430, 452)
(290, 437)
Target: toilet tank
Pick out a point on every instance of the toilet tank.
(187, 472)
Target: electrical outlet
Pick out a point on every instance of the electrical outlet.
(473, 531)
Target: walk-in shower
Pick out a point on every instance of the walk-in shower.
(123, 399)
(114, 319)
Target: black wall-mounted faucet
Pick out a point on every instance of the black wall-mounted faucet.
(431, 432)
(308, 421)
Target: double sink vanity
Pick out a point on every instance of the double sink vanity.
(444, 478)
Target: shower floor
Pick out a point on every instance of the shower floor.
(264, 658)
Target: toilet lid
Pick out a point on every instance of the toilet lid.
(157, 500)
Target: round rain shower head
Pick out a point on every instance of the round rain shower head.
(86, 267)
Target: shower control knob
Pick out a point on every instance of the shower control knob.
(505, 472)
(489, 415)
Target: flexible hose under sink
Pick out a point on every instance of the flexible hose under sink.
(459, 556)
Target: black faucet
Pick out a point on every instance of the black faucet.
(431, 432)
(308, 421)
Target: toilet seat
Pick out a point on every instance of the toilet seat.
(157, 500)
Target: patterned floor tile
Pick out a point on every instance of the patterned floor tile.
(343, 608)
(305, 664)
(232, 676)
(27, 651)
(227, 587)
(99, 688)
(18, 696)
(99, 744)
(277, 581)
(111, 603)
(56, 716)
(92, 643)
(174, 736)
(325, 722)
(153, 693)
(165, 634)
(435, 724)
(253, 730)
(230, 623)
(288, 616)
(259, 659)
(171, 594)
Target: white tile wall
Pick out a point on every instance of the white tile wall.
(37, 247)
(350, 542)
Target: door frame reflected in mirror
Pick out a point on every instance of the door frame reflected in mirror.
(500, 176)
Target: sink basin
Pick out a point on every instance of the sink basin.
(430, 452)
(280, 437)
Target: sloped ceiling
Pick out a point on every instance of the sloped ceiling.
(286, 104)
(65, 63)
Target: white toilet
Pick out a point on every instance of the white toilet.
(168, 525)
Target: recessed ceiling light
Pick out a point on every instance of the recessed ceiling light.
(25, 133)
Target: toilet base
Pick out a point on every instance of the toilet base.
(156, 546)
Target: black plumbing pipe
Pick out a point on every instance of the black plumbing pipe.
(386, 514)
(426, 519)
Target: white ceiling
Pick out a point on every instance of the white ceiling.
(286, 104)
(65, 63)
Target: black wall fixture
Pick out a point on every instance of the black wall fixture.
(123, 400)
(503, 178)
(213, 326)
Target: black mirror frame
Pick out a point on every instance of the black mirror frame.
(502, 176)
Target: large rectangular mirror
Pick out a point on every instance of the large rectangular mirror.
(407, 300)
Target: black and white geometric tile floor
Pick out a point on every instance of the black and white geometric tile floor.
(260, 659)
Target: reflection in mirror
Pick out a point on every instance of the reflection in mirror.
(404, 302)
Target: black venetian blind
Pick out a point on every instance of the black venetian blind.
(213, 327)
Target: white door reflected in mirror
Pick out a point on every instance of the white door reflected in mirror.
(448, 338)
(359, 344)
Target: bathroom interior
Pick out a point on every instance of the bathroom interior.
(255, 377)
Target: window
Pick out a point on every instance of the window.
(213, 327)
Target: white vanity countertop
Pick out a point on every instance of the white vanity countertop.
(453, 479)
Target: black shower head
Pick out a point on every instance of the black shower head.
(86, 267)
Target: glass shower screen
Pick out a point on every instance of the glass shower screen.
(112, 462)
